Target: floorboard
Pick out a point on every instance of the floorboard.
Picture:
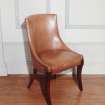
(13, 91)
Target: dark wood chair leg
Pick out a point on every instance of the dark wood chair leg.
(74, 74)
(31, 79)
(79, 78)
(45, 88)
(30, 82)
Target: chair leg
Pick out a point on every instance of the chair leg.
(74, 74)
(79, 78)
(45, 88)
(31, 79)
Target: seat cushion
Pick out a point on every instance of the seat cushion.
(59, 60)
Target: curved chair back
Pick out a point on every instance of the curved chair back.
(43, 32)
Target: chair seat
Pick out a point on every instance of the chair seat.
(59, 60)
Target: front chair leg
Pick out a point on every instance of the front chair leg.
(45, 88)
(31, 79)
(79, 78)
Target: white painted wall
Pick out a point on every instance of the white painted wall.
(3, 70)
(81, 24)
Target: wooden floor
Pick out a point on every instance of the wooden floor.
(13, 91)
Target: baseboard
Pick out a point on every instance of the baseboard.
(60, 75)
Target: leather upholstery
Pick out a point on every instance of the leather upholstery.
(58, 60)
(49, 53)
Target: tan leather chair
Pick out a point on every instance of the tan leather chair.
(49, 53)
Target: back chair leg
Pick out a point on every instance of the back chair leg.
(79, 78)
(74, 74)
(30, 82)
(31, 79)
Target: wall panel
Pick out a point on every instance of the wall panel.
(81, 25)
(3, 69)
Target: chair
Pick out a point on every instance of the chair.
(49, 53)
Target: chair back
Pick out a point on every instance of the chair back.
(43, 32)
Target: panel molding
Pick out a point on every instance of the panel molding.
(16, 6)
(26, 48)
(94, 50)
(71, 26)
(4, 69)
(67, 17)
